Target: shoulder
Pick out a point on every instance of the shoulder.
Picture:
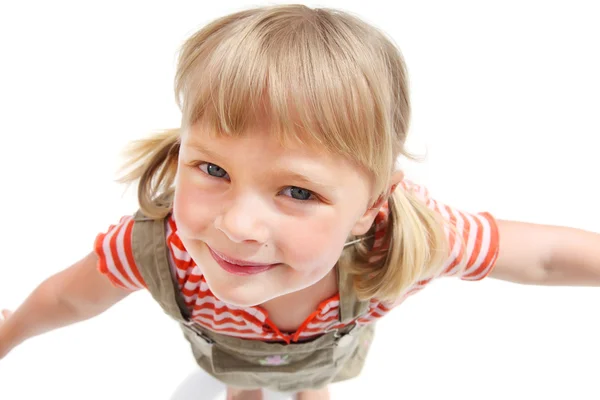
(115, 255)
(118, 248)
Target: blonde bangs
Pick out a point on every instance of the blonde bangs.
(313, 76)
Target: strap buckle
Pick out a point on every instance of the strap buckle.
(193, 326)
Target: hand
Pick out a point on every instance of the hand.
(4, 315)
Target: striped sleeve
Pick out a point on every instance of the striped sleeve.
(473, 239)
(115, 256)
(473, 256)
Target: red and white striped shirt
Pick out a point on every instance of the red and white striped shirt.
(116, 261)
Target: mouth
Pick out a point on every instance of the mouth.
(238, 267)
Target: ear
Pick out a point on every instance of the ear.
(364, 223)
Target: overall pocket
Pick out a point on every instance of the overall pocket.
(228, 360)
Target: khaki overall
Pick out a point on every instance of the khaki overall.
(246, 363)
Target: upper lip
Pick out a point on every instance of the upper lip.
(236, 261)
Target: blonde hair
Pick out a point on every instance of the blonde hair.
(324, 77)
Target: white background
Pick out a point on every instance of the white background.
(506, 104)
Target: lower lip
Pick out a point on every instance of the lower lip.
(239, 269)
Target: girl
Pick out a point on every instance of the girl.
(273, 225)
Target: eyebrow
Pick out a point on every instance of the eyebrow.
(296, 176)
(286, 174)
(204, 150)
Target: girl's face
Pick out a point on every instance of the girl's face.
(250, 200)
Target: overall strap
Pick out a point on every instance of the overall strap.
(150, 252)
(350, 306)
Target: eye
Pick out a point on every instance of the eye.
(212, 170)
(298, 193)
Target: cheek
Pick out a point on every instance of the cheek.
(314, 245)
(192, 209)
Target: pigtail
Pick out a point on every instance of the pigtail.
(418, 247)
(152, 164)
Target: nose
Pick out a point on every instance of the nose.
(243, 220)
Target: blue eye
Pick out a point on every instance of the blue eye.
(213, 170)
(294, 192)
(298, 193)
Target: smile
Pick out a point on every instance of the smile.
(238, 267)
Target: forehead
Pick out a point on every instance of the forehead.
(259, 137)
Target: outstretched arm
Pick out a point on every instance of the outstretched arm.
(75, 294)
(547, 255)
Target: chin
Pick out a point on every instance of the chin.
(246, 295)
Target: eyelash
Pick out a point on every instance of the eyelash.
(200, 163)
